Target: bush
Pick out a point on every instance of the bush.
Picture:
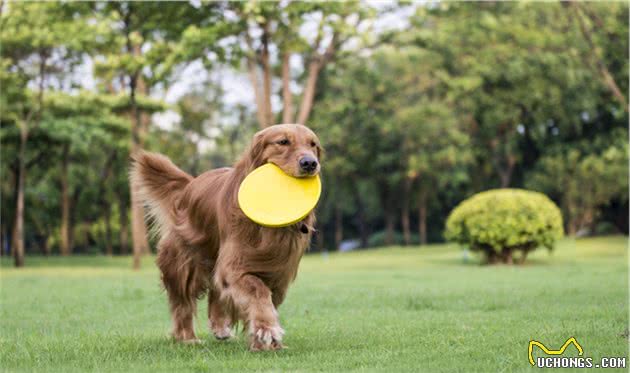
(500, 222)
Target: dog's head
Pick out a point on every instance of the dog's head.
(292, 147)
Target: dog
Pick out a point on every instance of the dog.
(208, 246)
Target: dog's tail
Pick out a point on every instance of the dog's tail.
(158, 185)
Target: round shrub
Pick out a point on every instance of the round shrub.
(500, 222)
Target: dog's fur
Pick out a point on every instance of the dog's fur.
(207, 245)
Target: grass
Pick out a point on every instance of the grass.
(393, 309)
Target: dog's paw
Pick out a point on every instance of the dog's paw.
(221, 332)
(185, 337)
(192, 341)
(265, 337)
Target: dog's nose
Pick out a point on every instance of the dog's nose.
(308, 163)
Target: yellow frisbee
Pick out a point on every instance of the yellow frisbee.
(270, 197)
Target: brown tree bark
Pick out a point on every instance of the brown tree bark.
(266, 69)
(45, 246)
(317, 61)
(287, 96)
(506, 256)
(319, 239)
(505, 172)
(358, 201)
(65, 203)
(314, 67)
(338, 226)
(389, 227)
(109, 249)
(252, 67)
(404, 211)
(124, 226)
(309, 91)
(422, 216)
(3, 238)
(138, 226)
(138, 230)
(258, 95)
(18, 225)
(523, 256)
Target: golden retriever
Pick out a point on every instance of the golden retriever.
(207, 245)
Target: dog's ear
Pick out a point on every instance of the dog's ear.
(256, 150)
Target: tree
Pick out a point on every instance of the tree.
(435, 146)
(142, 48)
(354, 116)
(270, 34)
(35, 47)
(584, 176)
(512, 72)
(83, 124)
(610, 32)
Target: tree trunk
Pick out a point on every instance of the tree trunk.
(309, 91)
(338, 226)
(45, 246)
(65, 203)
(505, 173)
(258, 95)
(138, 226)
(3, 239)
(16, 187)
(138, 230)
(404, 212)
(363, 231)
(18, 225)
(109, 250)
(314, 67)
(389, 227)
(287, 96)
(506, 255)
(266, 66)
(124, 226)
(523, 256)
(319, 239)
(422, 216)
(72, 220)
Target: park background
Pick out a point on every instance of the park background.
(418, 105)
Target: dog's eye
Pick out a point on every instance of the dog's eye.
(313, 144)
(283, 142)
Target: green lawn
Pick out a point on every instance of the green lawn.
(395, 309)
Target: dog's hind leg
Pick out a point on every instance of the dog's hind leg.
(183, 278)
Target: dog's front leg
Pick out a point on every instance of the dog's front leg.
(253, 299)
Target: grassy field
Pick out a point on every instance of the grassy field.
(394, 309)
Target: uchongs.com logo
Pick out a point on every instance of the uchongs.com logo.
(554, 358)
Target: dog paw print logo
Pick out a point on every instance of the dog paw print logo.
(560, 351)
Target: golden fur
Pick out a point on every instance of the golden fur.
(207, 246)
